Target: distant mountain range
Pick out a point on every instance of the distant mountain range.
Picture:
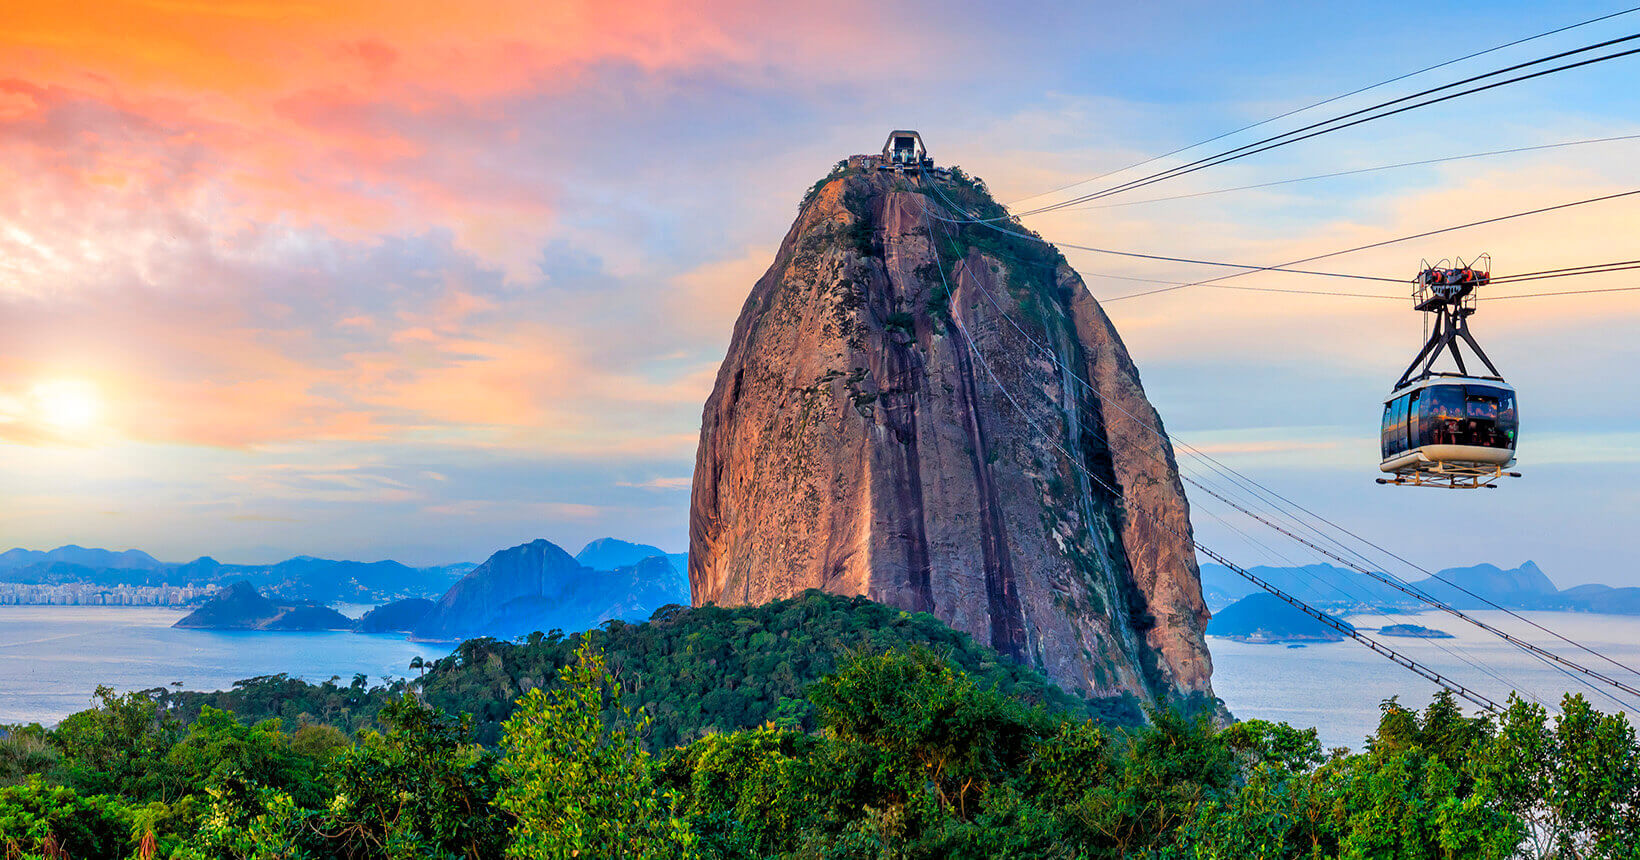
(302, 578)
(611, 554)
(539, 587)
(527, 588)
(131, 559)
(1336, 588)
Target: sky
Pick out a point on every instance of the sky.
(425, 280)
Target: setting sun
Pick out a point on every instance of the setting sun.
(67, 405)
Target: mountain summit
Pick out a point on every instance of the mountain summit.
(855, 442)
(538, 586)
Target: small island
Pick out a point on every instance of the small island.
(1413, 631)
(1267, 619)
(241, 607)
(400, 616)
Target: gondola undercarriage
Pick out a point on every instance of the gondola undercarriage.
(1419, 470)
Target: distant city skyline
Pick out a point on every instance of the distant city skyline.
(422, 282)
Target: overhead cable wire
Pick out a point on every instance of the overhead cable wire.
(1573, 269)
(1337, 123)
(1302, 292)
(987, 223)
(1418, 594)
(1176, 283)
(1341, 587)
(1563, 293)
(1357, 171)
(1260, 495)
(1328, 101)
(1192, 261)
(1578, 271)
(1418, 668)
(1260, 488)
(1379, 296)
(1602, 198)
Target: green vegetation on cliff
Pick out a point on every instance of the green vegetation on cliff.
(694, 671)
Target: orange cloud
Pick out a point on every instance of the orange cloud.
(249, 50)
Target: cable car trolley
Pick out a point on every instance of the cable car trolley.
(1444, 429)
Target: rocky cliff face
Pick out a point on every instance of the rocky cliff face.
(857, 442)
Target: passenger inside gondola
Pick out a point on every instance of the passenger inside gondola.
(1442, 409)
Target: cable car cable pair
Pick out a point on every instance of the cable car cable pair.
(1252, 269)
(1332, 99)
(1286, 138)
(1602, 198)
(1357, 171)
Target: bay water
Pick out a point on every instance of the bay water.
(1338, 687)
(53, 657)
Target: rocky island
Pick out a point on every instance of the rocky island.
(400, 616)
(1267, 619)
(241, 607)
(1413, 631)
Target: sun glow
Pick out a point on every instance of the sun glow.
(67, 406)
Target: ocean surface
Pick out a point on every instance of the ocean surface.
(1337, 687)
(52, 657)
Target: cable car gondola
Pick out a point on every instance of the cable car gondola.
(1443, 429)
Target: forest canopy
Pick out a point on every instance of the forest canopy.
(895, 749)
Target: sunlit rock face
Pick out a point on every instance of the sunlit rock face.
(856, 443)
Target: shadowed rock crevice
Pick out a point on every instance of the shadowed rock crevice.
(854, 443)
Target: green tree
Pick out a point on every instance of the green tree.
(1573, 781)
(1412, 793)
(753, 793)
(1160, 775)
(1276, 746)
(25, 752)
(421, 789)
(319, 742)
(46, 821)
(263, 754)
(120, 747)
(579, 786)
(245, 821)
(939, 728)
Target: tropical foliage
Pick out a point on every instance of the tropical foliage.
(691, 671)
(897, 752)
